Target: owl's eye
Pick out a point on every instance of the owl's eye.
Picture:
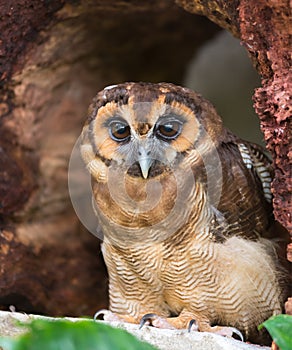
(169, 130)
(119, 131)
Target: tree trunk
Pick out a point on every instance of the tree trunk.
(264, 31)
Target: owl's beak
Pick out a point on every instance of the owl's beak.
(145, 161)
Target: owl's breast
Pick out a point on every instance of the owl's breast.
(133, 202)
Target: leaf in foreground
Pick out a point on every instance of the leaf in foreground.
(66, 335)
(280, 329)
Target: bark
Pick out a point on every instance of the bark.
(264, 31)
(55, 56)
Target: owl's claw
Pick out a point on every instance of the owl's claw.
(146, 319)
(107, 315)
(156, 321)
(191, 324)
(161, 322)
(227, 331)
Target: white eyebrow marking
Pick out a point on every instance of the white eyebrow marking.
(110, 87)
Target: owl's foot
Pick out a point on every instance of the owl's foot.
(106, 315)
(110, 316)
(221, 330)
(227, 331)
(184, 321)
(155, 321)
(179, 322)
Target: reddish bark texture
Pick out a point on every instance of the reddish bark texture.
(51, 279)
(20, 23)
(264, 31)
(222, 12)
(19, 27)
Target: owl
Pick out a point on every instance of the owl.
(185, 207)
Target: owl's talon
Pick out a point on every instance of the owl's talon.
(155, 321)
(99, 313)
(191, 324)
(238, 333)
(146, 318)
(107, 315)
(228, 332)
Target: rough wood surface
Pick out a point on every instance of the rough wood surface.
(265, 34)
(264, 31)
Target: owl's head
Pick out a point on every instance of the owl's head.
(147, 129)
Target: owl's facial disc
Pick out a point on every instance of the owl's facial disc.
(143, 139)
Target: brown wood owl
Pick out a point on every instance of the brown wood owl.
(185, 208)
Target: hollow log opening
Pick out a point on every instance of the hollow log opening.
(54, 56)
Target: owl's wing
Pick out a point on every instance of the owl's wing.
(258, 162)
(246, 200)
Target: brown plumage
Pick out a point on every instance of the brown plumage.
(185, 207)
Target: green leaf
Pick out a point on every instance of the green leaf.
(62, 334)
(280, 329)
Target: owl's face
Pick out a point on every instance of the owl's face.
(146, 130)
(150, 149)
